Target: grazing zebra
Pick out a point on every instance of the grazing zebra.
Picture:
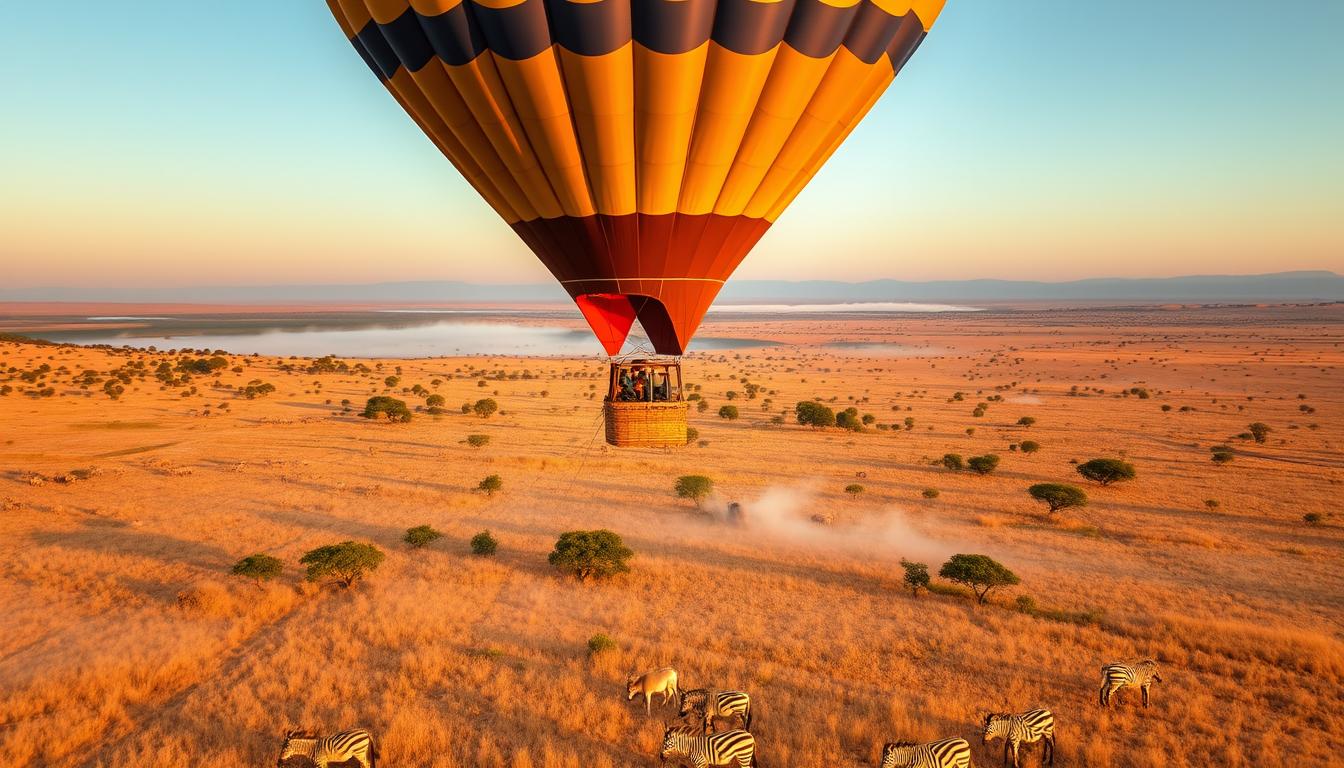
(736, 749)
(662, 681)
(1117, 675)
(725, 705)
(948, 753)
(1026, 728)
(356, 743)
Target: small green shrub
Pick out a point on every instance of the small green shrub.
(491, 485)
(954, 462)
(1029, 446)
(728, 412)
(477, 441)
(484, 544)
(916, 576)
(930, 493)
(485, 407)
(810, 413)
(420, 536)
(600, 643)
(854, 489)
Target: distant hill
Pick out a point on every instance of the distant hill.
(1297, 286)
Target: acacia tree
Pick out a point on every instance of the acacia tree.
(1107, 471)
(595, 554)
(979, 572)
(810, 413)
(259, 567)
(485, 407)
(916, 576)
(394, 409)
(983, 465)
(345, 563)
(1058, 495)
(694, 487)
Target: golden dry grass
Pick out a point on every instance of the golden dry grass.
(126, 642)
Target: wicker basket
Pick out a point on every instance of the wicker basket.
(646, 425)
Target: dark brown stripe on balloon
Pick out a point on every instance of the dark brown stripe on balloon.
(407, 39)
(590, 29)
(384, 59)
(906, 42)
(751, 27)
(454, 35)
(517, 32)
(817, 29)
(672, 26)
(748, 27)
(872, 31)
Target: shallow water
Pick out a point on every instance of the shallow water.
(407, 335)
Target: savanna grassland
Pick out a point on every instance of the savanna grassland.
(127, 642)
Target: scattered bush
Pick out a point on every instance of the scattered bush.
(392, 381)
(854, 489)
(394, 409)
(954, 462)
(259, 567)
(692, 434)
(1058, 495)
(586, 554)
(420, 536)
(485, 407)
(484, 544)
(694, 487)
(490, 485)
(435, 401)
(849, 419)
(810, 413)
(345, 563)
(728, 412)
(1026, 421)
(979, 572)
(916, 576)
(983, 465)
(599, 643)
(1313, 518)
(1107, 471)
(1259, 431)
(930, 493)
(1221, 454)
(476, 441)
(1029, 446)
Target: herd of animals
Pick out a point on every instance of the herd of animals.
(701, 745)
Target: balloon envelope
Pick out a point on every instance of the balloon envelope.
(639, 147)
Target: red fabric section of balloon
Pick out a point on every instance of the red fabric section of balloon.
(610, 316)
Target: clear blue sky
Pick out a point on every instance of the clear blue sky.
(157, 142)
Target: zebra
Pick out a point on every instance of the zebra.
(1117, 675)
(722, 704)
(356, 743)
(1026, 728)
(735, 749)
(662, 681)
(947, 753)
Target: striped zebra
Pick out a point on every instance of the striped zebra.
(1117, 675)
(725, 705)
(736, 749)
(1026, 728)
(948, 753)
(353, 744)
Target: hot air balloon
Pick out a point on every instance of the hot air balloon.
(640, 148)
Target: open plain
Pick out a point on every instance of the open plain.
(127, 642)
